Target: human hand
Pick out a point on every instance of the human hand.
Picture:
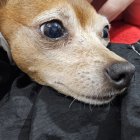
(112, 8)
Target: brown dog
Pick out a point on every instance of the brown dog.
(62, 44)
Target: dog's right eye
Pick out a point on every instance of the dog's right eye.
(53, 29)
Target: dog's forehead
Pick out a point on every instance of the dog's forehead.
(29, 9)
(84, 11)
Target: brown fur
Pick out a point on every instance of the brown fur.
(73, 65)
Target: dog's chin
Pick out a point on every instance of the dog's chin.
(99, 99)
(96, 100)
(93, 99)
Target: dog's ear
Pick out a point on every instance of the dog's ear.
(3, 3)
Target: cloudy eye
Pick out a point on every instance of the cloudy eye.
(105, 32)
(53, 29)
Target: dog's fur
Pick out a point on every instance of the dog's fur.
(73, 65)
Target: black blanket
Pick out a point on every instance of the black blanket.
(29, 111)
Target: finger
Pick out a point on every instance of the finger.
(112, 8)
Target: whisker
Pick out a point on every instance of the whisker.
(90, 107)
(72, 103)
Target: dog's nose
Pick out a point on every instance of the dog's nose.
(120, 74)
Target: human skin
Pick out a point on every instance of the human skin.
(111, 8)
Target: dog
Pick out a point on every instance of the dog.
(63, 44)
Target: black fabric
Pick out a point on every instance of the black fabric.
(29, 111)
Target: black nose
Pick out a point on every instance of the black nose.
(120, 74)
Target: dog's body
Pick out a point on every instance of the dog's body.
(62, 44)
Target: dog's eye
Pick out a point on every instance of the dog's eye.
(53, 29)
(105, 33)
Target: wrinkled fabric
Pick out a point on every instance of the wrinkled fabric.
(29, 111)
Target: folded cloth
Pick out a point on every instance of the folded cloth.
(122, 32)
(29, 111)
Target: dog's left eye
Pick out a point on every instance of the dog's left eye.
(53, 29)
(105, 32)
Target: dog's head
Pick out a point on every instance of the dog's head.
(62, 44)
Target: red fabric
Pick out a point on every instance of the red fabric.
(124, 33)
